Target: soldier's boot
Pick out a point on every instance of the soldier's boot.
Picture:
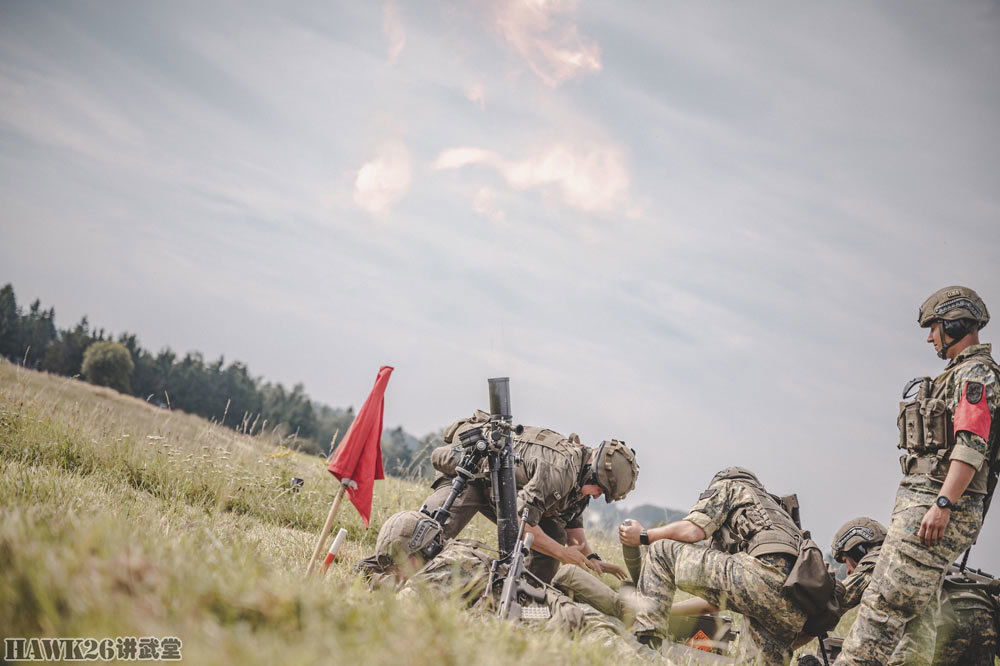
(650, 639)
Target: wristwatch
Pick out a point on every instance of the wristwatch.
(593, 556)
(644, 538)
(944, 502)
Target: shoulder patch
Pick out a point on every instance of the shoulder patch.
(974, 392)
(708, 493)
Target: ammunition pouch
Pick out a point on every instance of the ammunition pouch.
(925, 426)
(812, 586)
(445, 459)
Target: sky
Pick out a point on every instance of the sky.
(702, 228)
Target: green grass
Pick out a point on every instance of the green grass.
(121, 519)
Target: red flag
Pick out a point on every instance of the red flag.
(359, 456)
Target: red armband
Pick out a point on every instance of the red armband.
(973, 412)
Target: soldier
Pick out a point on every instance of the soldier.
(755, 545)
(966, 630)
(950, 442)
(556, 479)
(462, 568)
(398, 548)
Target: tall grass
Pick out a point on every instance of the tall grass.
(118, 518)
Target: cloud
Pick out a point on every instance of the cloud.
(485, 203)
(476, 93)
(593, 179)
(392, 28)
(542, 33)
(384, 180)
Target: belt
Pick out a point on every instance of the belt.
(918, 464)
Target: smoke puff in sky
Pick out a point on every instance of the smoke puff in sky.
(591, 179)
(384, 180)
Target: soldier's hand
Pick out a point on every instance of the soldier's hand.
(629, 531)
(933, 525)
(611, 568)
(573, 555)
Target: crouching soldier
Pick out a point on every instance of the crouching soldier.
(556, 478)
(755, 545)
(967, 625)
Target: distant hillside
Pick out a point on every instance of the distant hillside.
(603, 516)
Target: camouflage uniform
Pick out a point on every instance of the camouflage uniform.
(764, 542)
(966, 630)
(548, 477)
(908, 577)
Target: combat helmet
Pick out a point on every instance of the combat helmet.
(960, 311)
(405, 534)
(858, 532)
(615, 469)
(736, 474)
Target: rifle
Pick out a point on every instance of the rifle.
(973, 579)
(514, 583)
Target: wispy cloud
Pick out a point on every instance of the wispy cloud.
(593, 179)
(485, 203)
(544, 34)
(392, 28)
(476, 93)
(384, 180)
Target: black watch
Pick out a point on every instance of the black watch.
(593, 556)
(944, 502)
(644, 538)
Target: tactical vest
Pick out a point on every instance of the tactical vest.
(545, 438)
(761, 528)
(927, 433)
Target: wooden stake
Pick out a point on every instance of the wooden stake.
(333, 441)
(329, 524)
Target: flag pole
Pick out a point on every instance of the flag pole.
(328, 524)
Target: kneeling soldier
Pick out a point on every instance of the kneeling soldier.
(755, 546)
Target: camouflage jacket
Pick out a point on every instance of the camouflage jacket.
(857, 581)
(547, 475)
(973, 365)
(741, 517)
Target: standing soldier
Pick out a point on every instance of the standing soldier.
(556, 478)
(950, 439)
(755, 545)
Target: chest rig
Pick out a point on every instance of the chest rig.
(762, 527)
(926, 426)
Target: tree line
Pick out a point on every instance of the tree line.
(227, 394)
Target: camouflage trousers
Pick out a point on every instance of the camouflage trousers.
(744, 584)
(906, 584)
(582, 586)
(476, 499)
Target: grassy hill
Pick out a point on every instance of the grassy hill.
(118, 518)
